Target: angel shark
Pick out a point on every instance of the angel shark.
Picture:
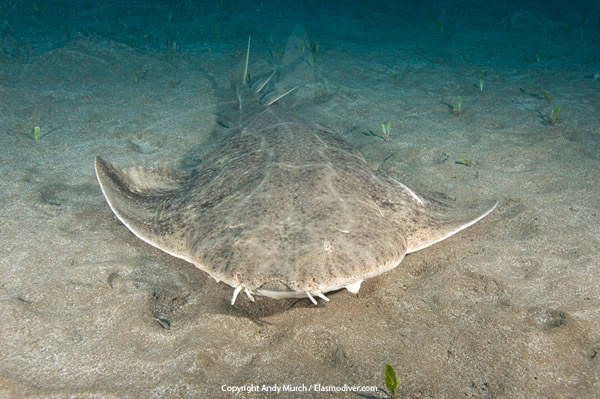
(283, 208)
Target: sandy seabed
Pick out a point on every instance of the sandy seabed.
(509, 308)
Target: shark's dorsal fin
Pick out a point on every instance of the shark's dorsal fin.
(245, 69)
(273, 97)
(269, 98)
(258, 86)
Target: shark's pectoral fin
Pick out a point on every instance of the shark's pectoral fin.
(436, 225)
(136, 196)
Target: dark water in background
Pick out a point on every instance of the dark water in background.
(28, 27)
(506, 36)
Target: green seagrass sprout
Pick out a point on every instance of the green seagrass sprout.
(385, 128)
(315, 51)
(439, 23)
(466, 162)
(554, 115)
(547, 96)
(391, 381)
(481, 80)
(304, 41)
(36, 133)
(459, 101)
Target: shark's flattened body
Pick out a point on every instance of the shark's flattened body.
(284, 208)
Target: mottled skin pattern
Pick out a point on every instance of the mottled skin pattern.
(284, 205)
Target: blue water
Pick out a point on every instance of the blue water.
(487, 100)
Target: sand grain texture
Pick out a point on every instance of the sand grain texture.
(505, 309)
